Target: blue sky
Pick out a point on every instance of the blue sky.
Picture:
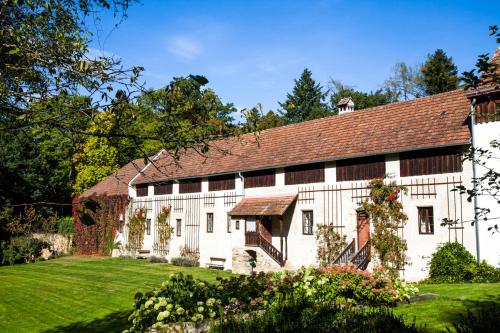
(252, 50)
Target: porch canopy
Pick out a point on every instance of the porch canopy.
(263, 206)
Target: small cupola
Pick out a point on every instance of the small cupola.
(345, 105)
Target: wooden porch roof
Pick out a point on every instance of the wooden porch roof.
(263, 206)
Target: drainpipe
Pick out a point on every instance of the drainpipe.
(474, 177)
(242, 184)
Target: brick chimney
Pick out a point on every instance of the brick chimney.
(345, 105)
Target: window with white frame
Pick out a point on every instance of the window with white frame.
(426, 220)
(307, 222)
(210, 222)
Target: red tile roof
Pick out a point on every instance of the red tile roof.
(427, 122)
(270, 205)
(117, 183)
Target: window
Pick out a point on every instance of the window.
(148, 226)
(307, 222)
(237, 225)
(261, 178)
(426, 220)
(360, 168)
(250, 225)
(163, 188)
(178, 226)
(141, 190)
(221, 183)
(210, 222)
(191, 185)
(429, 162)
(228, 224)
(303, 174)
(120, 227)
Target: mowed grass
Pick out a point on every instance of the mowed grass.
(452, 301)
(79, 294)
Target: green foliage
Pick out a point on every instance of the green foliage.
(439, 73)
(330, 243)
(66, 226)
(256, 121)
(485, 319)
(184, 262)
(164, 229)
(306, 101)
(362, 100)
(387, 216)
(22, 249)
(452, 263)
(325, 318)
(404, 83)
(136, 228)
(182, 298)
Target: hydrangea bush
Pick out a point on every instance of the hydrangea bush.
(183, 298)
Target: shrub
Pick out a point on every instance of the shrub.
(484, 319)
(452, 263)
(186, 299)
(22, 249)
(66, 226)
(184, 262)
(301, 317)
(155, 259)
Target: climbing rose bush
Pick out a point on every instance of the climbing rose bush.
(184, 298)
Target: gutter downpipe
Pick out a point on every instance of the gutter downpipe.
(474, 178)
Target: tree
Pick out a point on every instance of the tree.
(361, 99)
(404, 83)
(439, 73)
(257, 121)
(306, 101)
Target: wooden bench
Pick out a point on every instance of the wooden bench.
(143, 254)
(216, 263)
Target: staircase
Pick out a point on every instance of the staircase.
(349, 255)
(255, 239)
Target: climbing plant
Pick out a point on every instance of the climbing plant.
(387, 216)
(165, 230)
(330, 244)
(136, 228)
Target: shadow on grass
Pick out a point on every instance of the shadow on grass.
(114, 322)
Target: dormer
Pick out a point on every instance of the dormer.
(345, 105)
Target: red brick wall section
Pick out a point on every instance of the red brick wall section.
(363, 229)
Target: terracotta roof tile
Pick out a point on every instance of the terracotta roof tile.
(270, 205)
(432, 121)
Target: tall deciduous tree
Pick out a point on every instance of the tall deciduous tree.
(439, 73)
(306, 102)
(404, 83)
(362, 100)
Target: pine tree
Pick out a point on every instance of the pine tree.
(439, 73)
(306, 102)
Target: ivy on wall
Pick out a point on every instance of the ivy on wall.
(136, 229)
(330, 244)
(387, 216)
(164, 229)
(96, 222)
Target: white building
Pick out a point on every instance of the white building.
(264, 196)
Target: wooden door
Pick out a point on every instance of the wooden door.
(265, 228)
(363, 229)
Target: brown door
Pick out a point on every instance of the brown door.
(264, 228)
(363, 229)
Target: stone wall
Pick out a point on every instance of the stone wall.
(263, 263)
(60, 244)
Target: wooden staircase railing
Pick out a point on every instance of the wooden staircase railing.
(255, 239)
(362, 258)
(346, 254)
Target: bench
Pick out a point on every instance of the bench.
(143, 254)
(216, 263)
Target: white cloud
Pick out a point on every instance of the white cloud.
(94, 53)
(184, 47)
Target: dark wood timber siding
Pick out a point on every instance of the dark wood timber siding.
(487, 108)
(430, 161)
(190, 185)
(163, 188)
(303, 174)
(361, 168)
(141, 190)
(260, 178)
(221, 183)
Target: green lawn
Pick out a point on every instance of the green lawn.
(452, 301)
(88, 294)
(78, 294)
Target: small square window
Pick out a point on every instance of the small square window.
(210, 222)
(237, 225)
(148, 226)
(426, 220)
(307, 222)
(228, 224)
(178, 225)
